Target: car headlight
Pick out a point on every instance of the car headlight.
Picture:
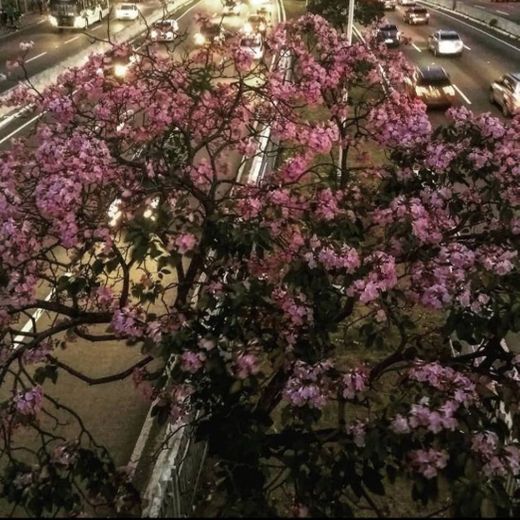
(114, 212)
(120, 70)
(154, 34)
(199, 39)
(53, 21)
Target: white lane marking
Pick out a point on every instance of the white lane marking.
(464, 97)
(20, 339)
(14, 132)
(501, 12)
(35, 57)
(415, 47)
(71, 39)
(41, 21)
(517, 49)
(466, 47)
(100, 26)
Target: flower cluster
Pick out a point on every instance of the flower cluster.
(428, 462)
(309, 385)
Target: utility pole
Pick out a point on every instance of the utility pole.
(350, 25)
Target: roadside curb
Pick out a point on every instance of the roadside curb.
(479, 23)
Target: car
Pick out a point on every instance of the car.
(232, 7)
(445, 43)
(255, 24)
(126, 11)
(210, 33)
(254, 44)
(432, 85)
(164, 30)
(389, 35)
(505, 92)
(116, 64)
(416, 15)
(389, 5)
(407, 2)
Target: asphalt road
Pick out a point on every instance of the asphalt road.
(52, 45)
(486, 57)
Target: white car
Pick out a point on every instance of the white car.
(406, 2)
(164, 30)
(126, 12)
(254, 45)
(505, 92)
(445, 43)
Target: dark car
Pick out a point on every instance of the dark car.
(432, 85)
(116, 64)
(211, 33)
(389, 35)
(416, 15)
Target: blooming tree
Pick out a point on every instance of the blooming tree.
(312, 327)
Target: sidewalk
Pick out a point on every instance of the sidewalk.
(26, 20)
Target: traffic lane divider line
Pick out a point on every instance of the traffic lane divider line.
(462, 95)
(415, 47)
(35, 57)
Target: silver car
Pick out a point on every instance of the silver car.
(445, 43)
(505, 92)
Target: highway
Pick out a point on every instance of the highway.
(485, 58)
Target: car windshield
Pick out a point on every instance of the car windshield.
(389, 28)
(449, 36)
(437, 81)
(163, 26)
(419, 10)
(127, 7)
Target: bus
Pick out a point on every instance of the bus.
(77, 14)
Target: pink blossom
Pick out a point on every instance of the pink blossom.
(192, 361)
(29, 403)
(185, 243)
(246, 365)
(400, 425)
(428, 462)
(354, 383)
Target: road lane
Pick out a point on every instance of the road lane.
(59, 44)
(485, 57)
